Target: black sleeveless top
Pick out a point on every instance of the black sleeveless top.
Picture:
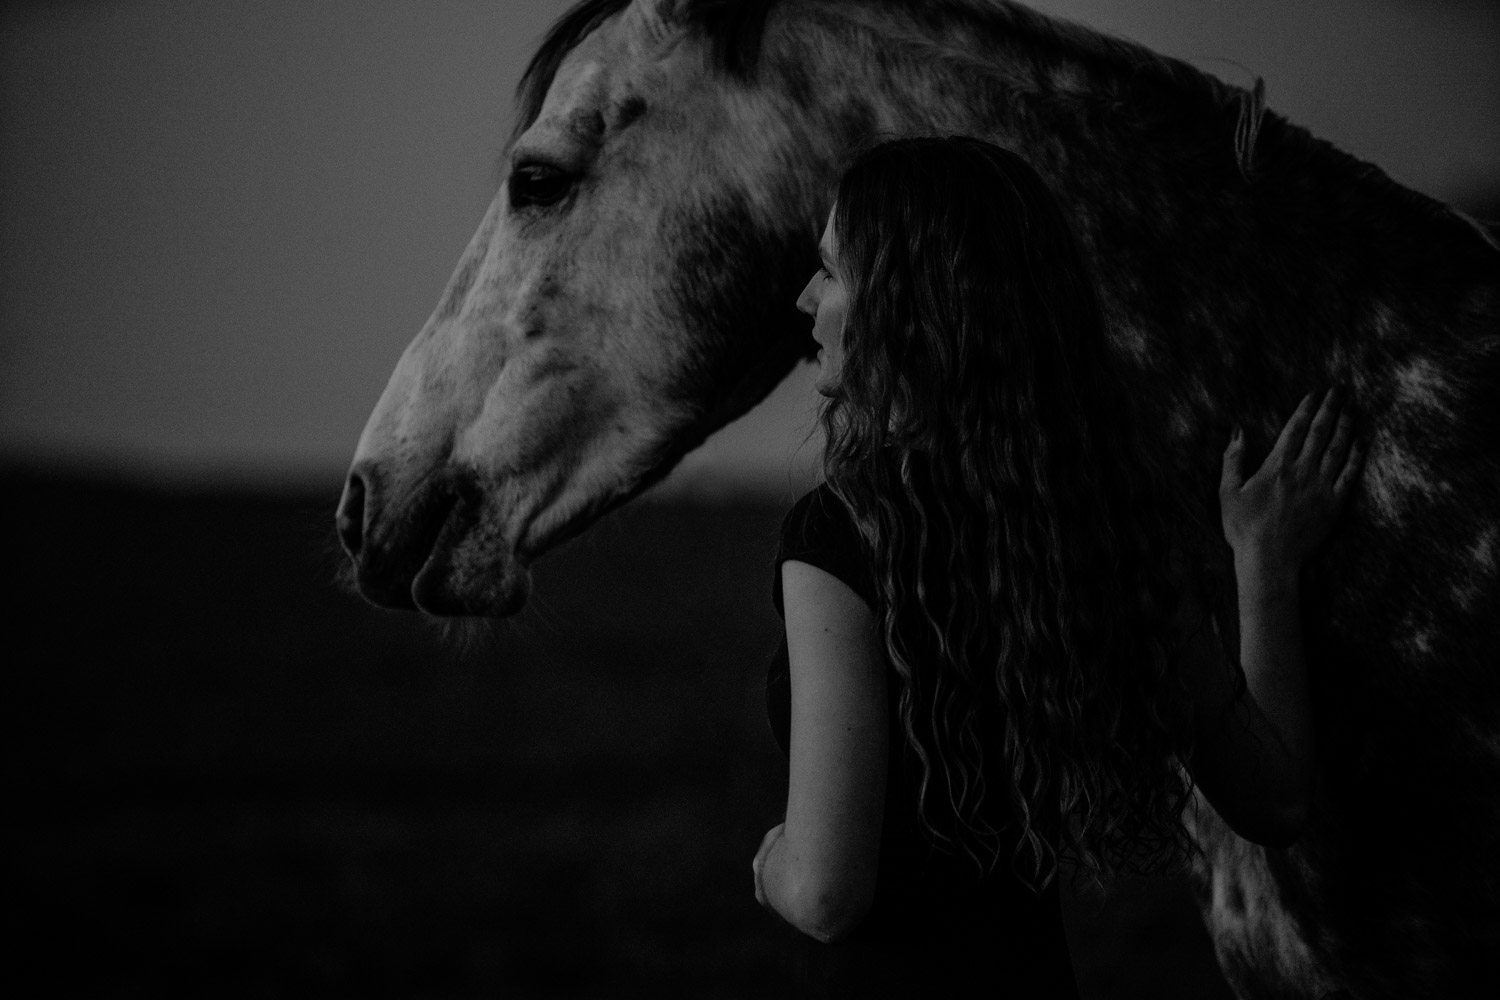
(936, 919)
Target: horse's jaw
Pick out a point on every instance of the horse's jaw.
(456, 534)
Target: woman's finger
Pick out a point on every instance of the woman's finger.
(1290, 441)
(1350, 473)
(1320, 429)
(1337, 454)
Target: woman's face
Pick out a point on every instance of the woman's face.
(824, 300)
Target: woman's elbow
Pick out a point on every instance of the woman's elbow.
(830, 914)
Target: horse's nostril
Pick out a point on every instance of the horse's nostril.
(351, 515)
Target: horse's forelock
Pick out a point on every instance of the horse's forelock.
(570, 29)
(733, 27)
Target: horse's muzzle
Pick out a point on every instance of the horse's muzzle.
(389, 539)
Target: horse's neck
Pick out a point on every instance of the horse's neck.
(1159, 163)
(1003, 71)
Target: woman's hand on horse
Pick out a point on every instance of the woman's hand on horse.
(1275, 519)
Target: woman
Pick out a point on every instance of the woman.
(987, 625)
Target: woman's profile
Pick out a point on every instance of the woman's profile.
(991, 659)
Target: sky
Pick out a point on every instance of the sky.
(220, 224)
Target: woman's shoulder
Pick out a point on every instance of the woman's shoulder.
(818, 508)
(819, 520)
(819, 530)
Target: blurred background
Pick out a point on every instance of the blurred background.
(219, 227)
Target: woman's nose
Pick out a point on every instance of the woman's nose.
(806, 302)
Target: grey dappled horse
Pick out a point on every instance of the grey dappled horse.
(631, 289)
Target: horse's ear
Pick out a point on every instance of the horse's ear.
(655, 20)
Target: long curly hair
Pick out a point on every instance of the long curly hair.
(1019, 535)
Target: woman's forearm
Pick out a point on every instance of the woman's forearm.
(1275, 665)
(1262, 763)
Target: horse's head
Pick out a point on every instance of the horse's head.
(629, 290)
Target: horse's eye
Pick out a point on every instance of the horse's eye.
(538, 184)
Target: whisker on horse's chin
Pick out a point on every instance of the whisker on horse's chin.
(468, 636)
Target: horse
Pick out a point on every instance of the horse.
(630, 289)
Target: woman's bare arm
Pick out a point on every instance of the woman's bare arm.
(1254, 737)
(817, 870)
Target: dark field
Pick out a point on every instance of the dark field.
(229, 778)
